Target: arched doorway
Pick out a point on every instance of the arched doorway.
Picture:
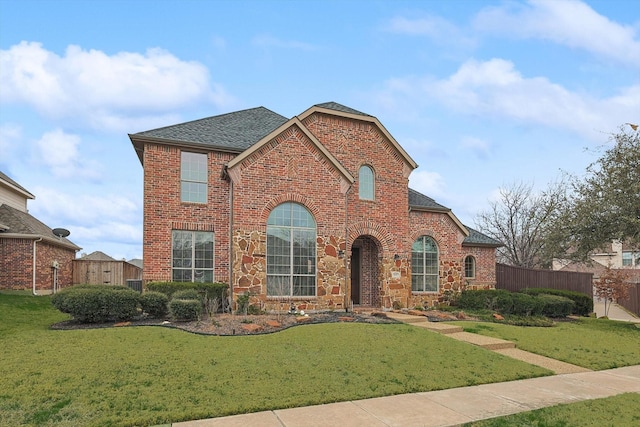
(365, 272)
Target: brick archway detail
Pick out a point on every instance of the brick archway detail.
(289, 197)
(369, 228)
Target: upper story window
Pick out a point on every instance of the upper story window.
(193, 177)
(424, 265)
(469, 267)
(291, 251)
(366, 183)
(630, 259)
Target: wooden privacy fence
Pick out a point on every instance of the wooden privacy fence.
(632, 302)
(104, 272)
(515, 278)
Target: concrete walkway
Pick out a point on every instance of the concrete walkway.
(457, 406)
(616, 312)
(451, 407)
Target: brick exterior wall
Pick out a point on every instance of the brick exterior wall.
(291, 168)
(16, 265)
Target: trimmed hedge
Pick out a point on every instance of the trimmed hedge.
(155, 304)
(484, 299)
(211, 290)
(185, 309)
(556, 306)
(583, 303)
(97, 303)
(187, 294)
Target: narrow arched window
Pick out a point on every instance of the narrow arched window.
(424, 265)
(291, 251)
(366, 183)
(469, 267)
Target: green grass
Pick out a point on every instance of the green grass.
(620, 410)
(155, 375)
(591, 343)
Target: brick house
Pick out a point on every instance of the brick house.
(31, 255)
(313, 210)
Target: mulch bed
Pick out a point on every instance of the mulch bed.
(238, 324)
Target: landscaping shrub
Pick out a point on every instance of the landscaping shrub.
(485, 299)
(185, 309)
(155, 304)
(187, 294)
(555, 305)
(211, 290)
(583, 303)
(526, 305)
(97, 303)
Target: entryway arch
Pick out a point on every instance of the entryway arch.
(365, 271)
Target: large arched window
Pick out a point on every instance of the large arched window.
(291, 251)
(366, 183)
(469, 267)
(424, 265)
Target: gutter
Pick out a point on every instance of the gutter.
(34, 264)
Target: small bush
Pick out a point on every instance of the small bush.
(484, 299)
(185, 309)
(187, 294)
(155, 304)
(211, 290)
(583, 303)
(97, 303)
(526, 305)
(555, 305)
(242, 303)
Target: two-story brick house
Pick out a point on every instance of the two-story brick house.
(315, 209)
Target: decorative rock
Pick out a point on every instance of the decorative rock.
(416, 313)
(346, 319)
(251, 327)
(302, 319)
(497, 316)
(273, 323)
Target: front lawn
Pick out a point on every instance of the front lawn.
(154, 375)
(620, 410)
(591, 343)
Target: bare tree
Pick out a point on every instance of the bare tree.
(524, 222)
(611, 286)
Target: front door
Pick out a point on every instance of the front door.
(355, 276)
(365, 272)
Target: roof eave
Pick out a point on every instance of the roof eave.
(52, 240)
(447, 211)
(138, 142)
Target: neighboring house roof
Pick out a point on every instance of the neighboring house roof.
(18, 224)
(476, 238)
(97, 256)
(136, 261)
(4, 179)
(233, 132)
(342, 108)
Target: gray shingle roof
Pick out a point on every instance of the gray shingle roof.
(339, 107)
(476, 238)
(236, 131)
(419, 200)
(22, 223)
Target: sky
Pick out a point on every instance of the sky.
(481, 94)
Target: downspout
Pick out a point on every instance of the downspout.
(230, 242)
(34, 264)
(347, 266)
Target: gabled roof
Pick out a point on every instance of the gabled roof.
(348, 178)
(476, 238)
(97, 256)
(8, 182)
(18, 224)
(334, 108)
(422, 203)
(233, 132)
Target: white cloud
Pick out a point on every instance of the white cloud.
(84, 208)
(496, 89)
(103, 90)
(433, 27)
(58, 151)
(479, 147)
(431, 184)
(570, 23)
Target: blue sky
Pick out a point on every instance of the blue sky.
(482, 94)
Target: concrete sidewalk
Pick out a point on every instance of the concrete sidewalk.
(451, 407)
(616, 312)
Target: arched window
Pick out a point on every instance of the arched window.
(291, 251)
(469, 267)
(366, 183)
(424, 265)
